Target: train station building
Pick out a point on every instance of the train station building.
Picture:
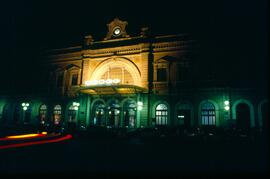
(124, 81)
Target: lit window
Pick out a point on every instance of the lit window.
(208, 114)
(71, 114)
(42, 113)
(161, 114)
(57, 114)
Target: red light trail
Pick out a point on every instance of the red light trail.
(66, 137)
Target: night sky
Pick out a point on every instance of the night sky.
(233, 34)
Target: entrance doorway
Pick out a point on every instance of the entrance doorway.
(184, 117)
(99, 114)
(242, 116)
(130, 114)
(114, 114)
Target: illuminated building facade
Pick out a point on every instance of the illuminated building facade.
(131, 82)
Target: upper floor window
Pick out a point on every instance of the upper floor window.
(59, 82)
(182, 72)
(74, 79)
(161, 74)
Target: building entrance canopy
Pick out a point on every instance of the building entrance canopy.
(112, 89)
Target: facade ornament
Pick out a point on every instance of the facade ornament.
(116, 29)
(145, 31)
(88, 40)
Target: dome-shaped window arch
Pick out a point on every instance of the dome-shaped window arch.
(208, 114)
(43, 113)
(126, 66)
(161, 114)
(57, 114)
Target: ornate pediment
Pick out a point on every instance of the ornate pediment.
(116, 29)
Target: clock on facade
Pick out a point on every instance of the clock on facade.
(117, 31)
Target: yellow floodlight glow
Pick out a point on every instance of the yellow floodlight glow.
(44, 133)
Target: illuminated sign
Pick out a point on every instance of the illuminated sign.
(181, 116)
(102, 82)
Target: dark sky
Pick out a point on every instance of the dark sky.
(232, 33)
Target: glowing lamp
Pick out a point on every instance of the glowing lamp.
(76, 108)
(25, 108)
(227, 107)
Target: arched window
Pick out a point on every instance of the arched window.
(208, 114)
(71, 114)
(114, 114)
(161, 114)
(120, 73)
(5, 114)
(129, 108)
(99, 114)
(57, 114)
(42, 113)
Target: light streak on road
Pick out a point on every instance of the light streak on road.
(66, 137)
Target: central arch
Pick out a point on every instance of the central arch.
(112, 63)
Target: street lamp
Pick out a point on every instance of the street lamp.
(226, 105)
(76, 105)
(25, 106)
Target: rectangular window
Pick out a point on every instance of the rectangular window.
(161, 74)
(182, 72)
(74, 79)
(60, 80)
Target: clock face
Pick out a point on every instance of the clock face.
(116, 31)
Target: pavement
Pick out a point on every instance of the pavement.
(93, 155)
